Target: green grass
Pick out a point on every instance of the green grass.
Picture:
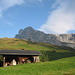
(61, 60)
(49, 52)
(52, 55)
(65, 66)
(18, 44)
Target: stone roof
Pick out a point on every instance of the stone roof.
(19, 52)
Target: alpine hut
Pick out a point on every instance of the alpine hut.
(14, 57)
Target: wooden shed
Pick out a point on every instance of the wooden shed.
(14, 57)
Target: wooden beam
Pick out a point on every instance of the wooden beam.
(4, 61)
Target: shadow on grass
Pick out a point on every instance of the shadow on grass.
(53, 55)
(51, 46)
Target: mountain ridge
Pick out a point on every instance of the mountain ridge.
(38, 36)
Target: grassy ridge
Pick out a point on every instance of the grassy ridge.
(49, 51)
(65, 66)
(18, 44)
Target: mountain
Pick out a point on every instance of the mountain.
(38, 36)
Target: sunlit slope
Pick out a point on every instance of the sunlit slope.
(65, 66)
(18, 44)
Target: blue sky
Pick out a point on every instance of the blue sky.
(49, 16)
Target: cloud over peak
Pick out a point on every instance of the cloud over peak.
(61, 19)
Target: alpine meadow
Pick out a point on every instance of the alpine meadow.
(55, 60)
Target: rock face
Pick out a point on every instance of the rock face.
(37, 36)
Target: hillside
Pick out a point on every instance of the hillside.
(54, 58)
(49, 51)
(19, 44)
(38, 36)
(65, 66)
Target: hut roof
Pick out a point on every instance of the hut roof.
(19, 52)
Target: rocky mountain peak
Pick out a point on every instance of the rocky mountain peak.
(20, 31)
(29, 28)
(38, 36)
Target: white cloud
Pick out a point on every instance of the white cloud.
(62, 19)
(5, 4)
(57, 3)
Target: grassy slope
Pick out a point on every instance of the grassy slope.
(50, 52)
(65, 66)
(17, 44)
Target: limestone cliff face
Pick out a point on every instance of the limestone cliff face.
(66, 37)
(37, 36)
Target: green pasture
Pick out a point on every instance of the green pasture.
(49, 52)
(19, 44)
(55, 60)
(65, 66)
